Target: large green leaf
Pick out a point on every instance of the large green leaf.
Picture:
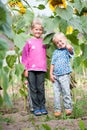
(84, 23)
(19, 68)
(20, 25)
(77, 61)
(76, 23)
(20, 39)
(49, 25)
(2, 15)
(4, 79)
(78, 5)
(7, 99)
(84, 51)
(74, 38)
(10, 60)
(65, 13)
(48, 38)
(28, 17)
(24, 21)
(3, 49)
(77, 50)
(63, 26)
(3, 45)
(5, 21)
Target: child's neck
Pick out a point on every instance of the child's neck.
(36, 37)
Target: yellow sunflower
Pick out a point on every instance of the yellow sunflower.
(60, 3)
(69, 30)
(22, 10)
(19, 4)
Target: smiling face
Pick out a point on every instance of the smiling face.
(60, 41)
(37, 30)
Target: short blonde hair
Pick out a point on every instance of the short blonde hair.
(36, 21)
(58, 35)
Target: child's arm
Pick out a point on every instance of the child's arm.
(25, 73)
(69, 48)
(52, 77)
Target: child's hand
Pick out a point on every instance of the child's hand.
(52, 78)
(25, 73)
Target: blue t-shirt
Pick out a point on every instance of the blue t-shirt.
(61, 61)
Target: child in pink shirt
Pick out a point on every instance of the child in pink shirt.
(34, 60)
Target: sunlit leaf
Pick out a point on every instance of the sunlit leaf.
(84, 23)
(78, 5)
(3, 49)
(84, 50)
(7, 99)
(6, 20)
(10, 60)
(4, 79)
(73, 38)
(77, 61)
(48, 38)
(19, 69)
(20, 40)
(65, 13)
(76, 23)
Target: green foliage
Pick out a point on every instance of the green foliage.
(82, 125)
(5, 21)
(65, 14)
(1, 100)
(19, 68)
(78, 110)
(20, 39)
(5, 28)
(46, 127)
(7, 120)
(58, 21)
(3, 49)
(41, 7)
(48, 38)
(22, 23)
(11, 59)
(84, 20)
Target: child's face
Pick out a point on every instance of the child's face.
(37, 30)
(60, 42)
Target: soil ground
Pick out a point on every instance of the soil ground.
(20, 119)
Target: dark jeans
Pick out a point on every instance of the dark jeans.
(37, 91)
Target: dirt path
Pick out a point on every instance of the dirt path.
(23, 120)
(18, 119)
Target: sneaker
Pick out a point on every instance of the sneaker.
(68, 112)
(57, 114)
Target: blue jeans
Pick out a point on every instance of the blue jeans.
(62, 86)
(36, 87)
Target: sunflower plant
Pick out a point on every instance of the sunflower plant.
(57, 3)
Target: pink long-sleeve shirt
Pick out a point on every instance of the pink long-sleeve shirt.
(34, 55)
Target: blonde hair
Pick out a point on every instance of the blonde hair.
(59, 35)
(36, 21)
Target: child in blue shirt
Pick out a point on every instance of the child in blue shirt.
(60, 70)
